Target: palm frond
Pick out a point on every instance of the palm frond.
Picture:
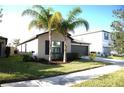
(37, 17)
(32, 24)
(55, 20)
(72, 14)
(40, 8)
(44, 12)
(57, 17)
(30, 12)
(63, 29)
(80, 22)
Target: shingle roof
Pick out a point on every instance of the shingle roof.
(69, 36)
(36, 36)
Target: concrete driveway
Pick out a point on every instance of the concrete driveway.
(114, 61)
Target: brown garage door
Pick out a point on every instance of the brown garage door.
(82, 50)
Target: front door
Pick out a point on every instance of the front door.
(0, 48)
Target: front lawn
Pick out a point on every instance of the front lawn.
(115, 79)
(14, 69)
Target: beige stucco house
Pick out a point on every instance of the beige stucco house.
(39, 44)
(3, 42)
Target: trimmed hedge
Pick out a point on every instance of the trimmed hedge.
(7, 51)
(27, 58)
(72, 56)
(42, 60)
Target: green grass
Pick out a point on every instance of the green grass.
(115, 79)
(116, 57)
(14, 69)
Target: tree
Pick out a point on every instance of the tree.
(16, 42)
(42, 19)
(1, 15)
(70, 24)
(117, 36)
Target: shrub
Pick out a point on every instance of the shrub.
(72, 56)
(27, 58)
(56, 57)
(92, 55)
(42, 60)
(7, 51)
(16, 51)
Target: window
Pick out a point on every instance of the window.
(106, 35)
(56, 47)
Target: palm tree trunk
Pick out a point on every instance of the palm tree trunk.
(50, 46)
(65, 49)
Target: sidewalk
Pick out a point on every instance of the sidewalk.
(66, 80)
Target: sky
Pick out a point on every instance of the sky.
(15, 26)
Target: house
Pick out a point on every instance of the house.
(99, 41)
(39, 44)
(3, 42)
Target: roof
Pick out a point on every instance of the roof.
(1, 37)
(36, 36)
(79, 42)
(91, 32)
(28, 40)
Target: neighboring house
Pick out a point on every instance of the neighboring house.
(3, 42)
(12, 49)
(40, 45)
(99, 41)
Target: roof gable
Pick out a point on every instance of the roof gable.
(36, 36)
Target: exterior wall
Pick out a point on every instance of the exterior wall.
(30, 46)
(106, 44)
(55, 37)
(96, 40)
(3, 46)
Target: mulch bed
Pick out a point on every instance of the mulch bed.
(58, 62)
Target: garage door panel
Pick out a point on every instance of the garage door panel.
(82, 50)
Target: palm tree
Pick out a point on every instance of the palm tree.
(16, 42)
(1, 15)
(70, 24)
(42, 19)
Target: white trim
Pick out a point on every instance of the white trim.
(80, 44)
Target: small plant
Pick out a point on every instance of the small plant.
(92, 55)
